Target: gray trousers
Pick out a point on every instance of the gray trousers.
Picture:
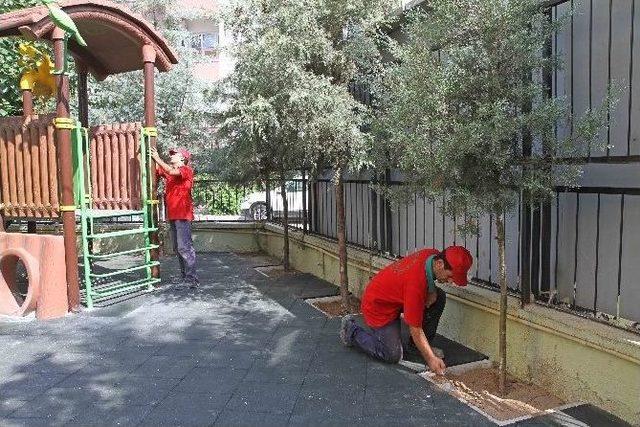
(183, 247)
(385, 343)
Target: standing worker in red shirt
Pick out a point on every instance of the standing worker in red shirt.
(178, 178)
(407, 286)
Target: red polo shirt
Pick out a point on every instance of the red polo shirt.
(399, 287)
(178, 194)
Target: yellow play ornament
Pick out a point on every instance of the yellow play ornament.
(40, 80)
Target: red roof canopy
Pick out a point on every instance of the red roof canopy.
(113, 33)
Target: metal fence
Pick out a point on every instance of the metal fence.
(217, 200)
(577, 253)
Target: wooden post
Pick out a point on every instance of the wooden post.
(149, 59)
(65, 171)
(27, 102)
(27, 112)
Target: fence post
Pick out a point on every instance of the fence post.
(526, 238)
(545, 251)
(374, 213)
(304, 202)
(268, 198)
(386, 206)
(314, 207)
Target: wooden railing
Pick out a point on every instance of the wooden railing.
(28, 167)
(115, 166)
(29, 183)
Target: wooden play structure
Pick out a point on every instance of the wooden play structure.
(59, 168)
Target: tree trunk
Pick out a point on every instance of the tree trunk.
(342, 241)
(502, 350)
(285, 224)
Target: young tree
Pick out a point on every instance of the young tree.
(467, 112)
(298, 57)
(290, 100)
(276, 106)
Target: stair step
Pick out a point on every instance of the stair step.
(121, 233)
(108, 213)
(114, 254)
(117, 288)
(127, 270)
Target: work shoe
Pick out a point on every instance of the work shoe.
(345, 335)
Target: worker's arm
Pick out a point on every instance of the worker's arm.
(167, 168)
(420, 340)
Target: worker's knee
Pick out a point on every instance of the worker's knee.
(185, 251)
(393, 355)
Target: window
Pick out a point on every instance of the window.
(205, 43)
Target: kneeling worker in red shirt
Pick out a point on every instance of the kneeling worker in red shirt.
(178, 178)
(407, 286)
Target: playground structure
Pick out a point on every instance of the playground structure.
(57, 168)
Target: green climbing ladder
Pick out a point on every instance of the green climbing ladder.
(100, 286)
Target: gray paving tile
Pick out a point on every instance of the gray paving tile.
(211, 400)
(267, 398)
(128, 355)
(129, 415)
(28, 386)
(336, 379)
(9, 405)
(277, 375)
(285, 360)
(185, 349)
(182, 409)
(126, 390)
(238, 418)
(226, 358)
(419, 421)
(57, 404)
(32, 422)
(165, 367)
(325, 420)
(398, 402)
(144, 391)
(327, 399)
(211, 380)
(59, 363)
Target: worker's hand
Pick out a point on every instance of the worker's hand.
(153, 151)
(436, 365)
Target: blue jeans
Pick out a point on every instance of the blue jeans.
(385, 343)
(183, 247)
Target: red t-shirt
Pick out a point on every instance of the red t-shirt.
(399, 287)
(178, 193)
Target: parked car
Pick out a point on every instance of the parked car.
(254, 205)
